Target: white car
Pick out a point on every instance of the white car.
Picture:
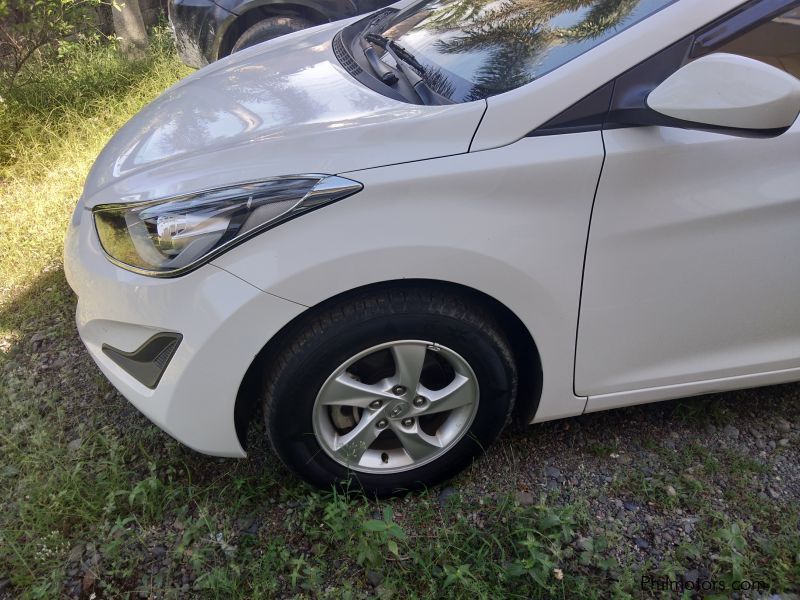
(392, 235)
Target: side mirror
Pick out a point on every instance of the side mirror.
(729, 92)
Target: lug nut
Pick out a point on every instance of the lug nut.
(407, 422)
(381, 424)
(375, 404)
(398, 390)
(419, 401)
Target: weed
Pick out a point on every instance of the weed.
(379, 535)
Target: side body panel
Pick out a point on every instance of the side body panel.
(692, 264)
(510, 222)
(199, 27)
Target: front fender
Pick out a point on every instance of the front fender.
(510, 222)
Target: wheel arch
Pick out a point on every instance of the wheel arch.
(526, 352)
(251, 13)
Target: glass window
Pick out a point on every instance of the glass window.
(776, 42)
(472, 49)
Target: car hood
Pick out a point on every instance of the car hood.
(280, 108)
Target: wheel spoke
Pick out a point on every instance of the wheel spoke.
(459, 392)
(417, 444)
(352, 446)
(346, 391)
(408, 360)
(350, 415)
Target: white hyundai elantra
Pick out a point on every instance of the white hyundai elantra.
(392, 235)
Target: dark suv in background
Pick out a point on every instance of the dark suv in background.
(206, 31)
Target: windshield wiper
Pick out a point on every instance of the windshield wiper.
(385, 73)
(382, 70)
(404, 59)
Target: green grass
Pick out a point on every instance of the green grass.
(51, 129)
(94, 499)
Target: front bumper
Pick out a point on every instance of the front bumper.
(224, 322)
(199, 27)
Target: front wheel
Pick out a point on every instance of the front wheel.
(268, 29)
(392, 390)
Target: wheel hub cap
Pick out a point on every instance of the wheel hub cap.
(398, 410)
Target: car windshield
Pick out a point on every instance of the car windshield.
(473, 49)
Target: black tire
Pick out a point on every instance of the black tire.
(269, 29)
(312, 349)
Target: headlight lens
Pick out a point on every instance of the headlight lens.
(169, 237)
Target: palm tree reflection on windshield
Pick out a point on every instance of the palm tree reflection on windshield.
(517, 35)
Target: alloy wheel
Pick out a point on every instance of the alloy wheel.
(395, 406)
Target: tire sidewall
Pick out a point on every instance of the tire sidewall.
(269, 29)
(291, 429)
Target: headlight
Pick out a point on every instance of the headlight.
(169, 237)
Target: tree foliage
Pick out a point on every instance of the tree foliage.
(45, 30)
(31, 27)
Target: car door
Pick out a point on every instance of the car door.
(692, 271)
